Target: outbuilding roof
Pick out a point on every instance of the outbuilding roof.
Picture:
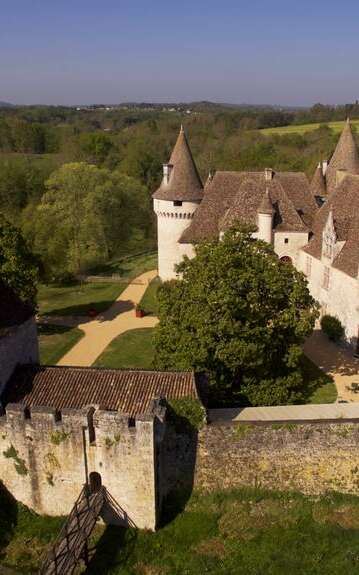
(128, 391)
(184, 181)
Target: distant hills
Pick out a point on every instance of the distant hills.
(5, 104)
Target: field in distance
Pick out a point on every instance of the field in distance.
(301, 129)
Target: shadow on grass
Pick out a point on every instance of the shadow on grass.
(8, 517)
(112, 550)
(51, 329)
(80, 309)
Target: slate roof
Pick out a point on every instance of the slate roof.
(345, 157)
(236, 196)
(13, 311)
(127, 391)
(317, 185)
(184, 182)
(344, 203)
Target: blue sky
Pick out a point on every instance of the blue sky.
(109, 51)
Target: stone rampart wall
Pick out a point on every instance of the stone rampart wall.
(312, 458)
(45, 458)
(18, 346)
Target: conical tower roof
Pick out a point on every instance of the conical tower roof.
(184, 183)
(345, 157)
(266, 206)
(317, 185)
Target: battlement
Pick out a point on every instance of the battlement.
(18, 416)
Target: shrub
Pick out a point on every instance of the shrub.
(186, 414)
(332, 327)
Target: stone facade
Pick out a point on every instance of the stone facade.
(18, 346)
(311, 458)
(336, 292)
(46, 457)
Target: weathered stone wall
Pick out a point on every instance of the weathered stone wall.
(311, 458)
(18, 346)
(44, 461)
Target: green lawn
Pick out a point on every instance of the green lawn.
(320, 386)
(55, 341)
(78, 299)
(132, 349)
(292, 129)
(149, 300)
(241, 532)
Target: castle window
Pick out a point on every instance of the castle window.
(177, 203)
(326, 273)
(286, 240)
(308, 266)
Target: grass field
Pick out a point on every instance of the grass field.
(283, 130)
(149, 300)
(321, 388)
(132, 349)
(242, 532)
(55, 341)
(78, 299)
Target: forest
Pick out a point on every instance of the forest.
(77, 182)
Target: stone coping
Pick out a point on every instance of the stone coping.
(287, 413)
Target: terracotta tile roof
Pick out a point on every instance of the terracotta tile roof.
(236, 196)
(184, 182)
(12, 310)
(127, 391)
(344, 203)
(317, 185)
(345, 157)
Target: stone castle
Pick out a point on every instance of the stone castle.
(313, 225)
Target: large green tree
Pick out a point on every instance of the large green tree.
(239, 315)
(85, 215)
(18, 267)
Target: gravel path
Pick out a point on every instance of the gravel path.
(120, 317)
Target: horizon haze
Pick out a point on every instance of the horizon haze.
(72, 53)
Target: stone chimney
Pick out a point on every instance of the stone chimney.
(339, 176)
(268, 174)
(167, 169)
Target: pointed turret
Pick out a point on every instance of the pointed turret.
(181, 181)
(265, 213)
(317, 185)
(345, 157)
(266, 206)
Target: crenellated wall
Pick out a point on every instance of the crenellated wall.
(45, 458)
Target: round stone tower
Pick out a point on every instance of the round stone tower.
(18, 335)
(175, 202)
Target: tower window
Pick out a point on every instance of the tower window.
(286, 240)
(177, 203)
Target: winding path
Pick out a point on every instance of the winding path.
(117, 319)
